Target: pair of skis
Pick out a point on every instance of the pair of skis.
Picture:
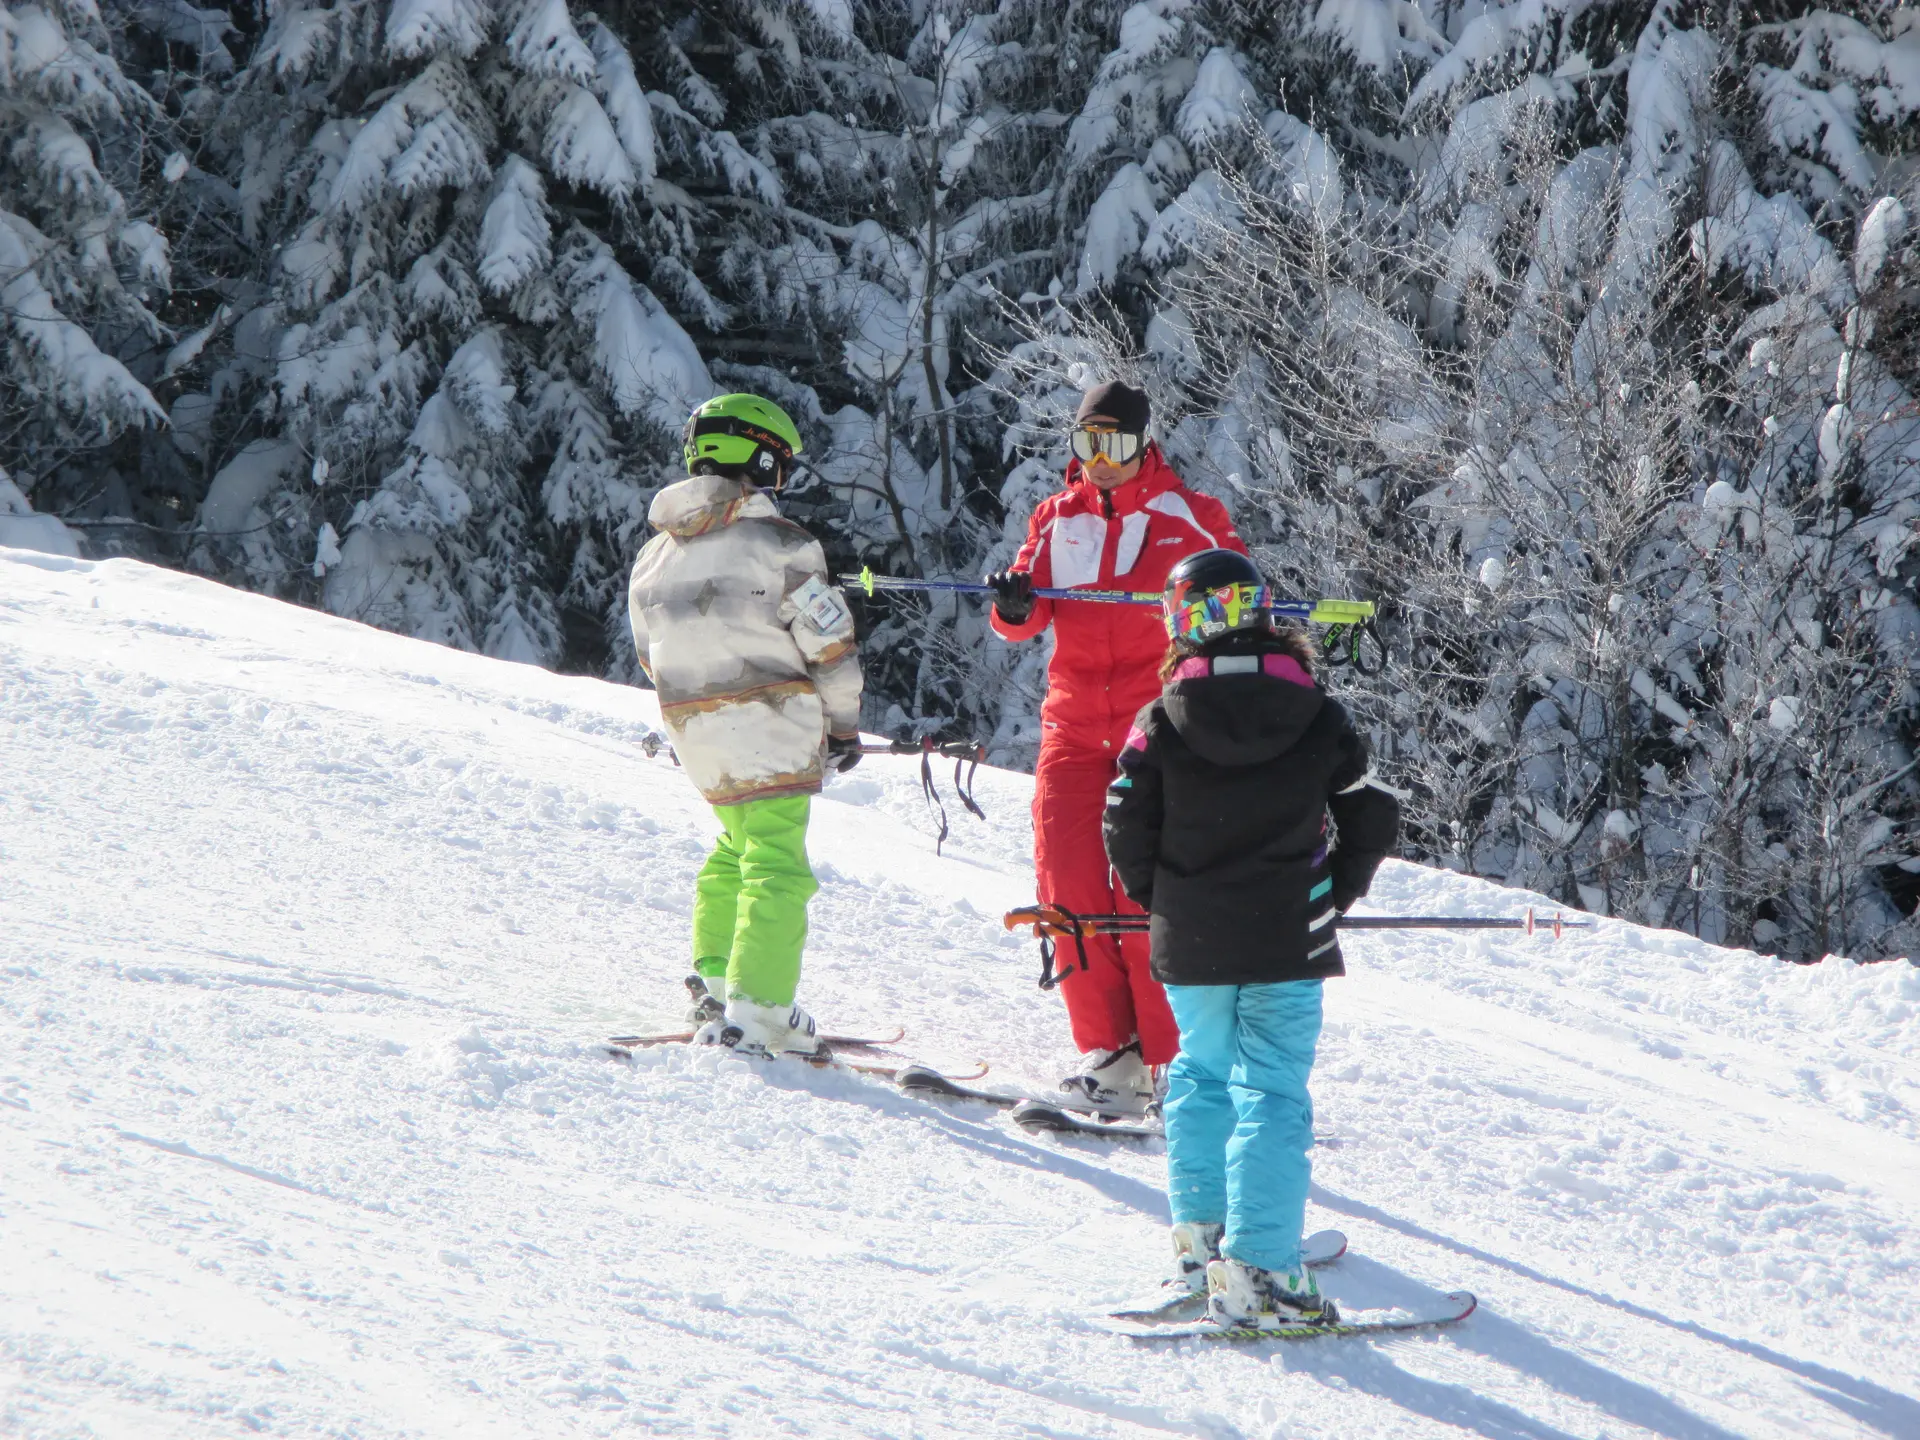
(1175, 1312)
(1172, 1313)
(861, 1054)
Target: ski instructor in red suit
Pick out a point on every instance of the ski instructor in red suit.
(1121, 523)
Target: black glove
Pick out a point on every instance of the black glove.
(843, 753)
(1345, 894)
(1012, 595)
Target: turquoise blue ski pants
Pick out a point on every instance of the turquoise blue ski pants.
(1239, 1119)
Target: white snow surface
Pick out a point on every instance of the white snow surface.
(307, 934)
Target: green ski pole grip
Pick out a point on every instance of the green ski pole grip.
(1341, 612)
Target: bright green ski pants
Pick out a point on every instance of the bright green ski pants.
(750, 900)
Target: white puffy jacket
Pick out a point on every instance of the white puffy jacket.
(750, 647)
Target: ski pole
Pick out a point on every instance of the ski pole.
(1529, 922)
(1320, 612)
(960, 752)
(1056, 920)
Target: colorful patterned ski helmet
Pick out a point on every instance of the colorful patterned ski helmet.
(1214, 593)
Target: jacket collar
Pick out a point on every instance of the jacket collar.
(1156, 477)
(1272, 664)
(706, 502)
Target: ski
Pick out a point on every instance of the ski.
(1458, 1306)
(832, 1042)
(892, 1072)
(1061, 1120)
(1174, 1302)
(709, 1007)
(834, 1056)
(923, 1081)
(1061, 1113)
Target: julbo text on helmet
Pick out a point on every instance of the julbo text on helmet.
(741, 434)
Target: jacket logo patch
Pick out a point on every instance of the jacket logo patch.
(1077, 544)
(822, 606)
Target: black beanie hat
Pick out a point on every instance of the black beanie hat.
(1119, 402)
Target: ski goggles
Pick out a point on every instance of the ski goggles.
(1195, 618)
(1118, 446)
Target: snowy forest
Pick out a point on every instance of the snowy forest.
(1583, 336)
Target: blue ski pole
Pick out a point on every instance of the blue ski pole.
(1319, 612)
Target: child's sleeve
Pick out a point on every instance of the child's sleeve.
(637, 618)
(1135, 811)
(1367, 817)
(817, 616)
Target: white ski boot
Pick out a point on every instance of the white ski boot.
(1196, 1244)
(1242, 1294)
(1118, 1082)
(762, 1029)
(708, 999)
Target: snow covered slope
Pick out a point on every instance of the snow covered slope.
(306, 932)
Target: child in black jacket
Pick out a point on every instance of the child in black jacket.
(1217, 825)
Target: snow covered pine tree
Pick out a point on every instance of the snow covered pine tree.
(1587, 389)
(454, 345)
(78, 263)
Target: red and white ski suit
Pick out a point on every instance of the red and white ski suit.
(1106, 665)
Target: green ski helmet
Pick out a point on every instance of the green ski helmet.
(741, 433)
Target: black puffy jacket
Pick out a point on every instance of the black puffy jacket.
(1217, 822)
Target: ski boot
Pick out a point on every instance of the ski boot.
(1116, 1082)
(762, 1029)
(1196, 1244)
(708, 1002)
(1239, 1294)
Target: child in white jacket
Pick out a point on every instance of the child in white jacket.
(752, 652)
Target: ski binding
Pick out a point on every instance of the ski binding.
(1174, 1301)
(924, 1081)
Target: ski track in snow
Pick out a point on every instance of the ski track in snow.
(306, 936)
